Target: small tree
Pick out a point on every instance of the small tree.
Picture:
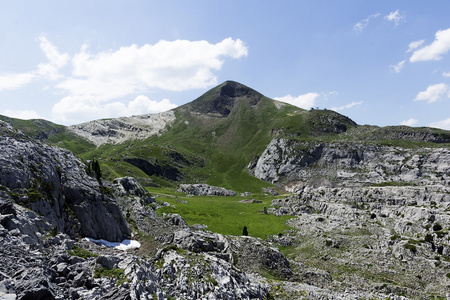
(245, 231)
(96, 169)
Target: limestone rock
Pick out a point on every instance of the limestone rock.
(53, 183)
(204, 190)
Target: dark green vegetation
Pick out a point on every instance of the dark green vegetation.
(226, 215)
(80, 252)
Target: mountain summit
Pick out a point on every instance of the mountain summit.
(221, 100)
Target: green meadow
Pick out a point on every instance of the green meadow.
(226, 215)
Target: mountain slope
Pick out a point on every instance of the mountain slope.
(214, 138)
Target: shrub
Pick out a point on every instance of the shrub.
(437, 227)
(245, 231)
(411, 248)
(80, 252)
(429, 238)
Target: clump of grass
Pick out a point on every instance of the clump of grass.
(80, 252)
(111, 273)
(411, 248)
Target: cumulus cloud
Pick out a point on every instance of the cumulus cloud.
(432, 93)
(446, 74)
(143, 105)
(48, 70)
(22, 114)
(347, 106)
(305, 101)
(397, 68)
(14, 81)
(99, 79)
(176, 66)
(414, 45)
(434, 51)
(409, 122)
(56, 60)
(395, 17)
(444, 124)
(359, 27)
(76, 110)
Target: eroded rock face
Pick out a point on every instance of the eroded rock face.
(286, 162)
(53, 183)
(119, 130)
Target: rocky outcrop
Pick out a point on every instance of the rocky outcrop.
(204, 190)
(295, 163)
(53, 183)
(119, 130)
(352, 232)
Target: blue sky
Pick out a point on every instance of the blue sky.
(378, 62)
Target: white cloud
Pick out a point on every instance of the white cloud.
(14, 81)
(398, 67)
(143, 105)
(446, 74)
(359, 27)
(444, 124)
(22, 114)
(98, 79)
(305, 101)
(415, 45)
(49, 70)
(435, 50)
(433, 93)
(72, 110)
(350, 105)
(409, 122)
(176, 66)
(55, 59)
(395, 17)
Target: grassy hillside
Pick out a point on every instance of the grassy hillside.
(51, 133)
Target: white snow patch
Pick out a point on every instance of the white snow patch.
(124, 245)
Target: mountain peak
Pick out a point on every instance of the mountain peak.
(220, 100)
(233, 89)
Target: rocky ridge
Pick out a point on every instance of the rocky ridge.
(294, 164)
(119, 130)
